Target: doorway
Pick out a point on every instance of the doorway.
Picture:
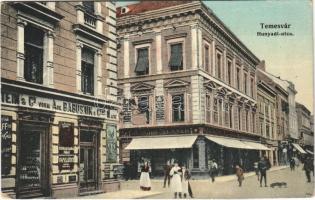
(88, 161)
(33, 161)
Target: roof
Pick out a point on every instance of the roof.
(144, 6)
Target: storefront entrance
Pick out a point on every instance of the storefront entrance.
(88, 161)
(33, 162)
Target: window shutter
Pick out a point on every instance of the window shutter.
(176, 58)
(142, 65)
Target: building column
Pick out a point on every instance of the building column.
(202, 154)
(80, 13)
(126, 57)
(194, 47)
(49, 60)
(158, 42)
(20, 57)
(98, 74)
(99, 20)
(78, 66)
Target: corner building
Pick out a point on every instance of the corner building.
(188, 88)
(59, 108)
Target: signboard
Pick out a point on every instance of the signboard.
(159, 106)
(66, 146)
(56, 105)
(6, 144)
(127, 110)
(111, 143)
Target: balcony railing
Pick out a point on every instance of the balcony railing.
(90, 20)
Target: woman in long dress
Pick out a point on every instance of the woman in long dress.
(145, 182)
(176, 183)
(185, 182)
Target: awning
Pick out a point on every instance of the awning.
(308, 151)
(256, 145)
(235, 143)
(176, 142)
(298, 147)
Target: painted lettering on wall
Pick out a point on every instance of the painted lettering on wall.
(6, 144)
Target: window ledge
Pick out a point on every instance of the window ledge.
(89, 33)
(41, 11)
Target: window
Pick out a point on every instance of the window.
(226, 115)
(238, 84)
(87, 71)
(207, 61)
(143, 107)
(88, 6)
(229, 72)
(253, 121)
(245, 83)
(267, 109)
(215, 111)
(252, 87)
(176, 57)
(239, 118)
(267, 131)
(142, 66)
(246, 120)
(261, 127)
(218, 65)
(178, 108)
(231, 117)
(208, 108)
(33, 47)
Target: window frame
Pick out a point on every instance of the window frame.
(238, 77)
(218, 52)
(92, 92)
(136, 48)
(207, 46)
(229, 69)
(172, 42)
(183, 110)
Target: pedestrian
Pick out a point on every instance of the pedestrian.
(292, 164)
(256, 170)
(239, 174)
(176, 182)
(297, 162)
(308, 167)
(145, 182)
(262, 166)
(186, 189)
(167, 176)
(213, 170)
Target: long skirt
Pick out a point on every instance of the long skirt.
(176, 184)
(185, 187)
(145, 182)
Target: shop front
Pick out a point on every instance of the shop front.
(56, 145)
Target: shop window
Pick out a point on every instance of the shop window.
(143, 107)
(207, 60)
(34, 51)
(176, 57)
(87, 65)
(142, 66)
(178, 108)
(195, 156)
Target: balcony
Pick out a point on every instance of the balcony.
(90, 20)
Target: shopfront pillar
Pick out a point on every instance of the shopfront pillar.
(202, 154)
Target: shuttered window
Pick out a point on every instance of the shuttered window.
(176, 58)
(142, 66)
(33, 47)
(87, 74)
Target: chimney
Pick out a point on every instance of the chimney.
(262, 65)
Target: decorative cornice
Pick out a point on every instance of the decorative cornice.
(87, 32)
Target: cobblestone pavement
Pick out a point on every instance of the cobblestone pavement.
(223, 187)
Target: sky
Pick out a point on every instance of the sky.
(290, 57)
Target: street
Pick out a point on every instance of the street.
(296, 187)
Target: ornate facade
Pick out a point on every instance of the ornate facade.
(182, 72)
(59, 98)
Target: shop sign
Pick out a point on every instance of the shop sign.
(66, 146)
(159, 107)
(6, 144)
(55, 105)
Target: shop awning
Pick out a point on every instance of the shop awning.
(298, 147)
(256, 145)
(176, 142)
(238, 144)
(228, 142)
(308, 151)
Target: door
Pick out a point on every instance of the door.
(33, 161)
(88, 161)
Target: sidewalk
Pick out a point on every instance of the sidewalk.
(129, 189)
